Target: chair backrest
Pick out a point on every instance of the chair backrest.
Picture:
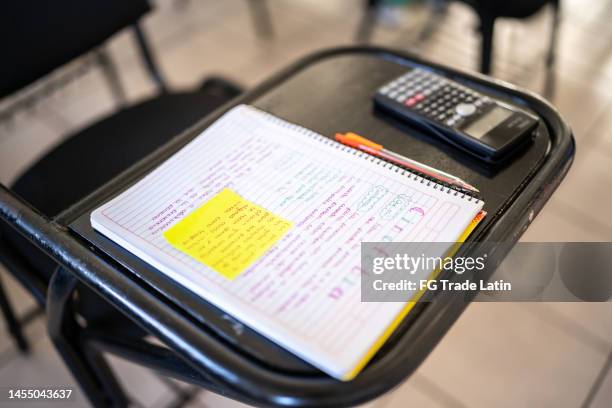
(38, 36)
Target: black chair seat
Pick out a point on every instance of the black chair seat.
(91, 157)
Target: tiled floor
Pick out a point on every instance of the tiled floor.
(496, 354)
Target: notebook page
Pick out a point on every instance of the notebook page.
(303, 293)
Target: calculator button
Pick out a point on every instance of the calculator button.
(411, 102)
(419, 97)
(465, 109)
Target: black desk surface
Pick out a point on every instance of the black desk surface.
(331, 92)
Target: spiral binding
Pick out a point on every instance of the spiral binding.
(358, 153)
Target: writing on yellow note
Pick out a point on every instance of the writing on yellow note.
(227, 233)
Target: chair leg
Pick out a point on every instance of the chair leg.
(13, 325)
(87, 366)
(262, 21)
(149, 60)
(366, 26)
(549, 85)
(487, 24)
(112, 76)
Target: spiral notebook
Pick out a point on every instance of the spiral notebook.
(265, 219)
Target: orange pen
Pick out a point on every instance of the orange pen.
(375, 149)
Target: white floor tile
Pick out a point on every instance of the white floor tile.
(589, 319)
(585, 188)
(600, 135)
(500, 354)
(580, 101)
(211, 400)
(558, 223)
(141, 383)
(40, 369)
(417, 391)
(603, 397)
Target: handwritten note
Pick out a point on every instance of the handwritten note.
(228, 233)
(265, 220)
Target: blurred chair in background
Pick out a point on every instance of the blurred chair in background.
(488, 11)
(38, 38)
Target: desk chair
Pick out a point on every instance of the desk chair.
(39, 37)
(488, 11)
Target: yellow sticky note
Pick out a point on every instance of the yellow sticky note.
(227, 233)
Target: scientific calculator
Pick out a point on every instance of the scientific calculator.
(488, 128)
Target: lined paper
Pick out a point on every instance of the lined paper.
(304, 292)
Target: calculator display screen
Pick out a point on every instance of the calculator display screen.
(488, 121)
